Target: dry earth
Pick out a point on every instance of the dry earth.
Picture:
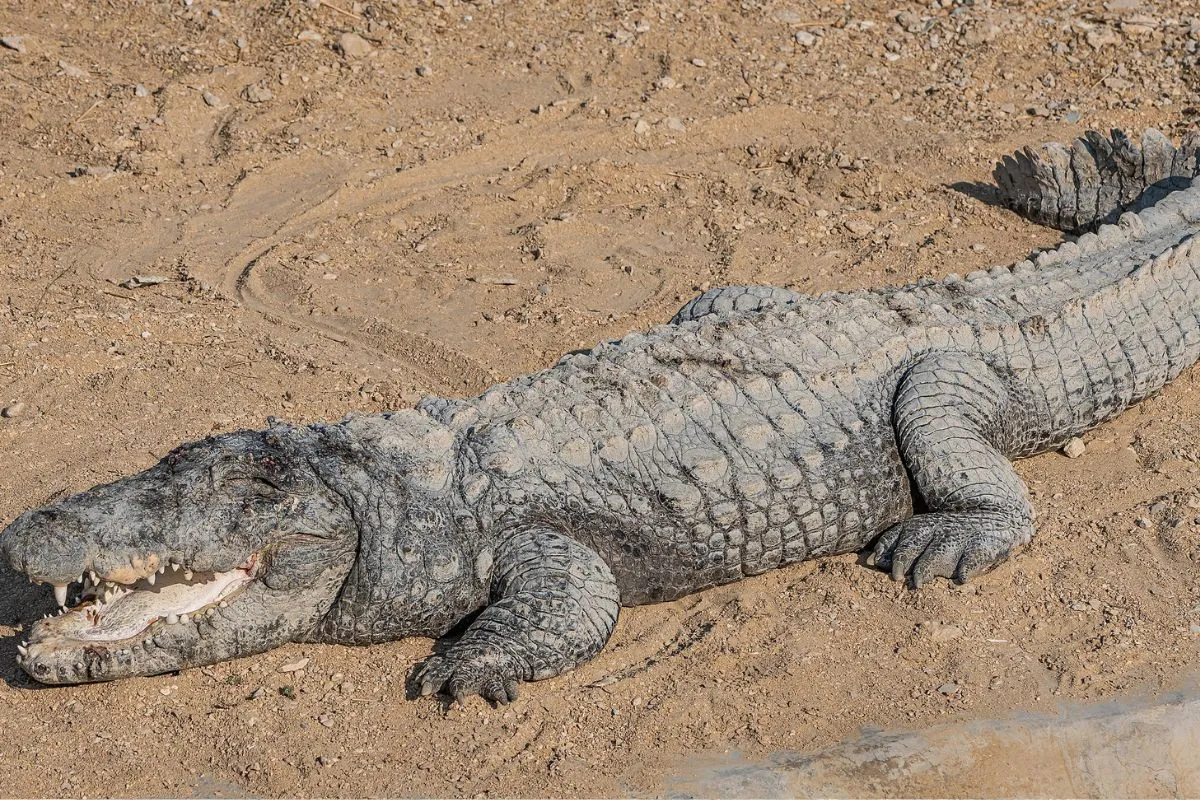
(459, 192)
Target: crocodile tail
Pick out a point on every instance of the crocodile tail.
(1096, 178)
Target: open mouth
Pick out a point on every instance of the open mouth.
(113, 611)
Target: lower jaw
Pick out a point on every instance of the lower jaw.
(93, 661)
(161, 647)
(167, 648)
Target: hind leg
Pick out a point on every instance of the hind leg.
(954, 418)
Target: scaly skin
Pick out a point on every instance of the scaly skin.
(761, 428)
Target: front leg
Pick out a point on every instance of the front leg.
(553, 605)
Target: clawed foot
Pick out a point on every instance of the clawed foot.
(462, 673)
(955, 545)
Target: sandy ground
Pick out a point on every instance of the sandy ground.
(457, 194)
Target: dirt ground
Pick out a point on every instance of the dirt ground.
(356, 204)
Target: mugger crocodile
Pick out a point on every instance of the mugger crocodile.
(759, 428)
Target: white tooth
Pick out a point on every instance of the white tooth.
(187, 574)
(60, 594)
(151, 578)
(223, 604)
(174, 567)
(93, 576)
(184, 617)
(172, 619)
(22, 650)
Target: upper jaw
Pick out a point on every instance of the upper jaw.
(135, 572)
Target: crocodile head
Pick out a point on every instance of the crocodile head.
(226, 547)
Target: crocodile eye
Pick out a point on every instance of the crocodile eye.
(253, 484)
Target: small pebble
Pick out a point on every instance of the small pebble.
(309, 36)
(295, 666)
(805, 39)
(858, 228)
(424, 71)
(71, 71)
(92, 171)
(949, 689)
(1074, 448)
(141, 91)
(13, 42)
(257, 93)
(352, 45)
(13, 410)
(138, 281)
(945, 633)
(211, 99)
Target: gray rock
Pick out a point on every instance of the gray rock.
(352, 45)
(1074, 448)
(257, 93)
